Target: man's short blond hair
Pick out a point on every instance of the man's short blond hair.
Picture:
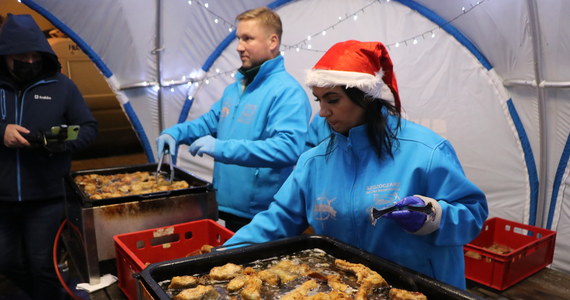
(265, 17)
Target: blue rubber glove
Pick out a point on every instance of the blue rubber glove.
(203, 145)
(411, 221)
(166, 139)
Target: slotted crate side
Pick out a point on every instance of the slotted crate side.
(532, 249)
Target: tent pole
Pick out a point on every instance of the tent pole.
(543, 168)
(157, 51)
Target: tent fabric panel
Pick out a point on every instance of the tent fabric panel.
(447, 26)
(69, 32)
(500, 29)
(122, 35)
(530, 162)
(561, 174)
(561, 219)
(139, 129)
(554, 39)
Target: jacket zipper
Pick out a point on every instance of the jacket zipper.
(22, 95)
(3, 103)
(18, 172)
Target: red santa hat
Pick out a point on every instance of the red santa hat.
(363, 65)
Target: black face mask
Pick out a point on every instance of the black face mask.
(26, 72)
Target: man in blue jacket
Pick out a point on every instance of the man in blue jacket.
(256, 131)
(34, 97)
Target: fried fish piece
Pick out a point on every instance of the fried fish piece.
(286, 270)
(237, 283)
(292, 267)
(367, 278)
(367, 286)
(269, 277)
(399, 294)
(252, 289)
(200, 292)
(225, 272)
(183, 282)
(334, 281)
(301, 292)
(206, 248)
(361, 271)
(284, 276)
(332, 295)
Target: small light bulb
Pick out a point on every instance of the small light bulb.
(216, 21)
(206, 5)
(397, 45)
(355, 17)
(308, 38)
(415, 41)
(324, 32)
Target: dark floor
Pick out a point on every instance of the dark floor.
(546, 284)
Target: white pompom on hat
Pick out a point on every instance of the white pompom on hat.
(363, 65)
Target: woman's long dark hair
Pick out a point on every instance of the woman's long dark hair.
(381, 136)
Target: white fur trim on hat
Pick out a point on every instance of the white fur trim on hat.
(371, 85)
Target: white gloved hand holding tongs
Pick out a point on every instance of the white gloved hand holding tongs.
(166, 145)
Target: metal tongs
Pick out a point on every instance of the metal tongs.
(159, 171)
(375, 214)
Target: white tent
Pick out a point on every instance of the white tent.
(492, 76)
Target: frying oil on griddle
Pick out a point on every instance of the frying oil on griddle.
(320, 266)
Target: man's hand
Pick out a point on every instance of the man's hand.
(205, 144)
(13, 136)
(168, 140)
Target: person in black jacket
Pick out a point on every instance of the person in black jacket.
(34, 97)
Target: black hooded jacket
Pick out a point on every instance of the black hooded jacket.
(34, 173)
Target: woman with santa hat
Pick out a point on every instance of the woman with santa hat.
(375, 160)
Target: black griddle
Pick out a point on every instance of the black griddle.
(396, 275)
(196, 185)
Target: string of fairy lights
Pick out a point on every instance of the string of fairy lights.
(305, 44)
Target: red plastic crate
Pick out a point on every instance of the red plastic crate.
(135, 250)
(532, 249)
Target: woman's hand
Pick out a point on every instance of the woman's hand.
(411, 221)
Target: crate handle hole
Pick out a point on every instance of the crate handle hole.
(522, 231)
(140, 244)
(159, 240)
(188, 235)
